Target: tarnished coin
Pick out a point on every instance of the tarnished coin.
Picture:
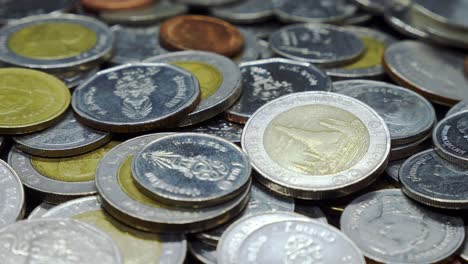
(393, 168)
(59, 179)
(136, 97)
(389, 228)
(204, 253)
(16, 9)
(206, 3)
(55, 42)
(250, 11)
(266, 80)
(11, 196)
(122, 199)
(191, 170)
(435, 73)
(40, 210)
(32, 100)
(56, 241)
(219, 79)
(324, 45)
(136, 247)
(338, 86)
(316, 145)
(75, 78)
(451, 138)
(114, 4)
(219, 127)
(406, 150)
(460, 107)
(64, 139)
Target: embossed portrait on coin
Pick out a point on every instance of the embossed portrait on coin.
(462, 126)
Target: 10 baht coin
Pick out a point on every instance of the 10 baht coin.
(11, 195)
(451, 138)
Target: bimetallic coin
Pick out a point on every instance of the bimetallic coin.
(451, 138)
(393, 168)
(136, 97)
(114, 4)
(206, 3)
(11, 196)
(219, 127)
(55, 241)
(11, 10)
(316, 145)
(460, 107)
(251, 11)
(55, 42)
(219, 79)
(338, 86)
(389, 228)
(204, 253)
(64, 139)
(266, 80)
(40, 210)
(324, 45)
(73, 79)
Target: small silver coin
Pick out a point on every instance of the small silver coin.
(324, 45)
(11, 196)
(245, 11)
(251, 50)
(261, 30)
(228, 87)
(204, 253)
(136, 97)
(399, 16)
(451, 13)
(393, 168)
(219, 127)
(206, 3)
(265, 80)
(11, 10)
(338, 86)
(390, 228)
(450, 138)
(56, 241)
(460, 107)
(399, 152)
(74, 79)
(40, 210)
(66, 138)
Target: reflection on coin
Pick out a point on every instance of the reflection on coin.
(316, 145)
(40, 210)
(11, 195)
(11, 10)
(204, 253)
(206, 3)
(451, 138)
(388, 227)
(219, 127)
(327, 11)
(66, 138)
(248, 12)
(136, 97)
(55, 241)
(324, 45)
(460, 107)
(76, 78)
(266, 80)
(393, 168)
(338, 86)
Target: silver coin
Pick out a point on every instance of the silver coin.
(204, 253)
(265, 80)
(40, 210)
(399, 152)
(311, 211)
(393, 168)
(136, 44)
(245, 11)
(11, 10)
(324, 45)
(316, 145)
(89, 58)
(121, 198)
(299, 241)
(375, 6)
(265, 50)
(450, 138)
(231, 241)
(399, 15)
(74, 79)
(64, 139)
(135, 246)
(219, 127)
(338, 86)
(359, 18)
(228, 82)
(460, 107)
(191, 170)
(11, 196)
(56, 241)
(251, 50)
(388, 227)
(206, 3)
(261, 30)
(323, 11)
(464, 249)
(452, 13)
(136, 97)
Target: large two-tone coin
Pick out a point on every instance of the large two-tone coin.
(11, 10)
(248, 12)
(316, 145)
(11, 196)
(451, 138)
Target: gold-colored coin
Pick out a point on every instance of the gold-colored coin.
(374, 51)
(31, 100)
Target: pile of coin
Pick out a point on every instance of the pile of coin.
(233, 131)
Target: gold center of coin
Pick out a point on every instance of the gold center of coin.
(137, 247)
(316, 140)
(209, 77)
(52, 40)
(80, 168)
(374, 51)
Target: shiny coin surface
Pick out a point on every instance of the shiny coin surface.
(250, 11)
(393, 168)
(55, 241)
(55, 42)
(122, 199)
(114, 4)
(206, 3)
(185, 33)
(451, 138)
(219, 127)
(460, 107)
(33, 100)
(338, 86)
(66, 138)
(316, 145)
(75, 78)
(11, 10)
(11, 196)
(433, 72)
(136, 97)
(137, 247)
(40, 210)
(204, 253)
(388, 227)
(266, 80)
(191, 170)
(323, 45)
(219, 79)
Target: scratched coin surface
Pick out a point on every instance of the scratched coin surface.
(323, 45)
(460, 107)
(266, 80)
(219, 127)
(15, 9)
(251, 11)
(11, 196)
(204, 253)
(56, 241)
(388, 227)
(191, 170)
(316, 145)
(451, 138)
(323, 11)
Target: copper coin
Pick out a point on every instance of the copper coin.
(201, 33)
(100, 5)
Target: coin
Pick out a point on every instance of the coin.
(266, 80)
(393, 168)
(248, 12)
(450, 138)
(358, 18)
(375, 6)
(251, 50)
(433, 72)
(11, 196)
(185, 33)
(406, 150)
(11, 10)
(136, 97)
(74, 79)
(114, 4)
(59, 179)
(204, 253)
(464, 249)
(136, 246)
(338, 86)
(398, 14)
(55, 42)
(206, 3)
(324, 45)
(388, 227)
(55, 241)
(66, 138)
(452, 13)
(265, 50)
(261, 30)
(460, 107)
(33, 100)
(316, 145)
(219, 78)
(121, 198)
(219, 127)
(40, 210)
(311, 211)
